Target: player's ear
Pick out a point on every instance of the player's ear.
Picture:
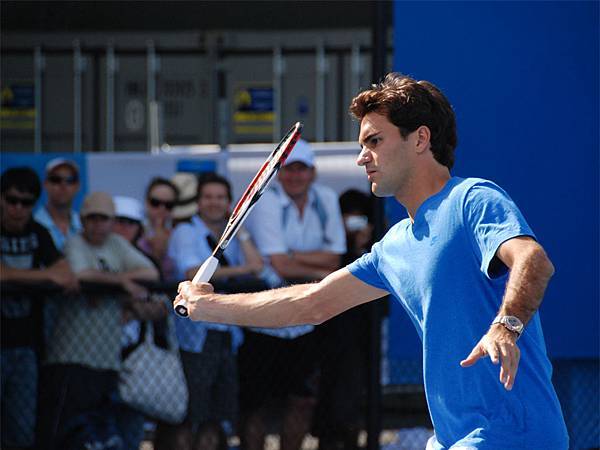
(423, 136)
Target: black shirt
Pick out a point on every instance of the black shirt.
(31, 248)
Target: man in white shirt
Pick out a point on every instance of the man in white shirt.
(298, 228)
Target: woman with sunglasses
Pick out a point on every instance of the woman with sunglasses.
(161, 197)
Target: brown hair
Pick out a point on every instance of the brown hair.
(409, 104)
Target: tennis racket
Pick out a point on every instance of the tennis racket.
(253, 192)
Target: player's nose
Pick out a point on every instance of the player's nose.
(362, 157)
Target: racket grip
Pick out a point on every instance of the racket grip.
(205, 272)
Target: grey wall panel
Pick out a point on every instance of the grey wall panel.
(131, 116)
(184, 92)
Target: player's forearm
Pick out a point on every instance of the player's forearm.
(275, 308)
(529, 277)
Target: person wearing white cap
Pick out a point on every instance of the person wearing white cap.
(298, 228)
(57, 215)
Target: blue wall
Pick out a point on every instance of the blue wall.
(523, 79)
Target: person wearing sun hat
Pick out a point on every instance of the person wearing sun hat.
(187, 204)
(84, 350)
(61, 184)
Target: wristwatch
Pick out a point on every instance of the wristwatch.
(511, 323)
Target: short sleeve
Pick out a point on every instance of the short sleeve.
(365, 268)
(492, 218)
(49, 254)
(265, 224)
(77, 255)
(131, 257)
(186, 250)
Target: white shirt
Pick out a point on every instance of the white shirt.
(278, 228)
(189, 248)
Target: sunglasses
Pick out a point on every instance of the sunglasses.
(25, 202)
(155, 203)
(127, 221)
(56, 179)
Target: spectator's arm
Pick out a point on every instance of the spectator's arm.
(58, 273)
(322, 260)
(290, 268)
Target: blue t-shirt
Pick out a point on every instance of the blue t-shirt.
(442, 269)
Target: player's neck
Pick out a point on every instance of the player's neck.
(424, 185)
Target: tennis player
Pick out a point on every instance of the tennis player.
(465, 265)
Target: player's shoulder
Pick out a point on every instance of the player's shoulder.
(466, 189)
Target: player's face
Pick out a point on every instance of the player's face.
(16, 209)
(213, 203)
(386, 156)
(61, 185)
(296, 178)
(96, 228)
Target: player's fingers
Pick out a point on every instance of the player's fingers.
(477, 352)
(514, 356)
(177, 299)
(492, 350)
(182, 285)
(506, 363)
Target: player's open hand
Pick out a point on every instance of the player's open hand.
(194, 295)
(500, 345)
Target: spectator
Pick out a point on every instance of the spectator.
(129, 216)
(187, 201)
(161, 198)
(343, 345)
(57, 215)
(84, 355)
(208, 350)
(28, 256)
(298, 228)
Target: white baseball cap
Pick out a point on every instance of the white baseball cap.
(57, 162)
(302, 152)
(128, 207)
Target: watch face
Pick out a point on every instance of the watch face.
(514, 323)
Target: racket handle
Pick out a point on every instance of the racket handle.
(204, 274)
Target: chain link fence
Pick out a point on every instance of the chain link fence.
(95, 374)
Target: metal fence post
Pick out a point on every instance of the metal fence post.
(111, 69)
(278, 68)
(77, 103)
(321, 71)
(152, 114)
(38, 67)
(355, 73)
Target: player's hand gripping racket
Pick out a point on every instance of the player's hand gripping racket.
(244, 206)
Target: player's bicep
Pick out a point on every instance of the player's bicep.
(519, 247)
